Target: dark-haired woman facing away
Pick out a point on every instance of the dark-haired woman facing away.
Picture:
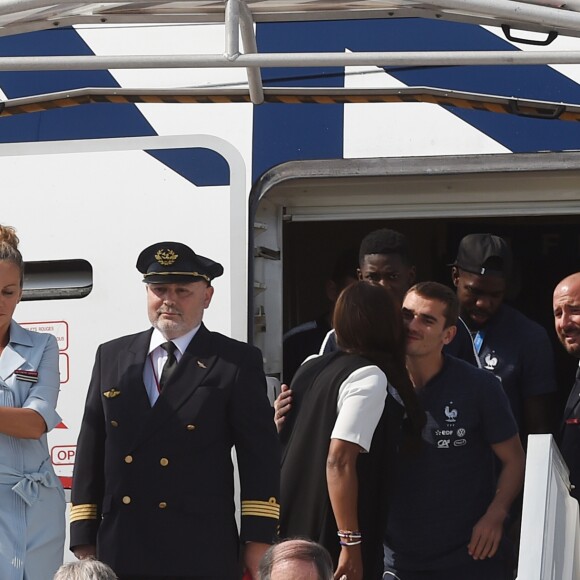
(339, 434)
(31, 496)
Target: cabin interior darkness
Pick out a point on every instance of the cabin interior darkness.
(545, 250)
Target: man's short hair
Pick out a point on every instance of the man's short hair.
(385, 241)
(437, 291)
(297, 549)
(88, 569)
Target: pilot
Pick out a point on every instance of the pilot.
(153, 490)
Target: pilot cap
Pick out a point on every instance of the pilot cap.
(172, 262)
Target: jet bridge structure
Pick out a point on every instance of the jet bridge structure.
(544, 19)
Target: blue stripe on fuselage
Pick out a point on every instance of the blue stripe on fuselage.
(285, 132)
(302, 131)
(96, 121)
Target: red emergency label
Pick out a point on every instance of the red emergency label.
(63, 454)
(63, 367)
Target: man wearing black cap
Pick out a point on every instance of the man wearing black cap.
(153, 486)
(516, 349)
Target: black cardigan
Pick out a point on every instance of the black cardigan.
(305, 505)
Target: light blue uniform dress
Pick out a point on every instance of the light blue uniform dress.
(32, 505)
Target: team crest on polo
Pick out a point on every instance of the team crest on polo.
(450, 413)
(166, 257)
(490, 361)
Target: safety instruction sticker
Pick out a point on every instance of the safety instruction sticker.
(59, 329)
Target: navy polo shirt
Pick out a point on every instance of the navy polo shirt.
(439, 494)
(518, 351)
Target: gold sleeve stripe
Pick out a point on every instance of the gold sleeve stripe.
(270, 502)
(259, 514)
(262, 507)
(82, 510)
(86, 511)
(81, 516)
(79, 506)
(266, 509)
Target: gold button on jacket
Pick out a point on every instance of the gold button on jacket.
(126, 500)
(129, 459)
(164, 462)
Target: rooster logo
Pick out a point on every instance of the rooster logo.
(490, 361)
(450, 413)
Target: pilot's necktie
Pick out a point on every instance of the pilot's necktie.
(170, 364)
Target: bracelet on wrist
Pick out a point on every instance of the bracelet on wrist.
(349, 538)
(355, 543)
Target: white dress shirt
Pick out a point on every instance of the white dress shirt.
(157, 357)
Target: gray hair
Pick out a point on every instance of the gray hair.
(88, 569)
(297, 549)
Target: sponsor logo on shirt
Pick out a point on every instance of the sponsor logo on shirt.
(443, 432)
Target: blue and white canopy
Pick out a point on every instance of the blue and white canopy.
(544, 20)
(558, 16)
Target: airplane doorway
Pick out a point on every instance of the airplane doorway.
(546, 248)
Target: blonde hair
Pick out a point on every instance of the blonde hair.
(9, 251)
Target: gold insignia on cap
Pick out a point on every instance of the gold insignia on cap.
(166, 257)
(111, 394)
